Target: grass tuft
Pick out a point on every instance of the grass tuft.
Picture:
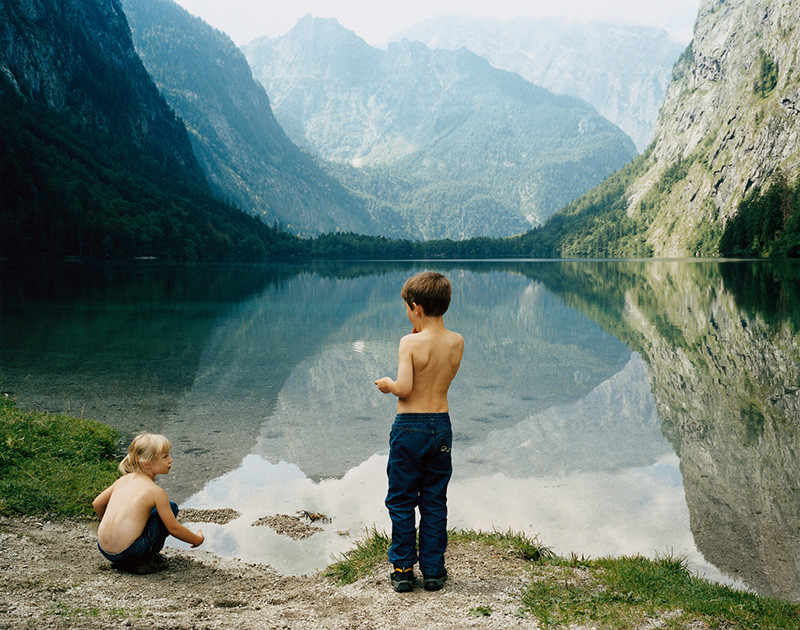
(628, 592)
(372, 550)
(52, 463)
(362, 560)
(521, 544)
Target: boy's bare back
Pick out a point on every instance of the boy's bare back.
(429, 359)
(435, 358)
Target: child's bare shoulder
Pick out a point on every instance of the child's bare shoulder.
(453, 338)
(456, 342)
(139, 485)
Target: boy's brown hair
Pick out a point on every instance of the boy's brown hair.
(429, 289)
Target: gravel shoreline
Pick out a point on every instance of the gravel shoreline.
(52, 576)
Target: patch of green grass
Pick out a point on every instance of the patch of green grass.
(667, 582)
(361, 560)
(70, 613)
(624, 593)
(372, 550)
(519, 543)
(52, 463)
(137, 612)
(480, 611)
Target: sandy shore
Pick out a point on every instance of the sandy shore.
(52, 576)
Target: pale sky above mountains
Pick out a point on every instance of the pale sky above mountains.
(376, 22)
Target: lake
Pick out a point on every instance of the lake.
(609, 407)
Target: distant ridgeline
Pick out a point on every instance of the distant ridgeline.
(457, 147)
(621, 69)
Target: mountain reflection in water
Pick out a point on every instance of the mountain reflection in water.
(610, 407)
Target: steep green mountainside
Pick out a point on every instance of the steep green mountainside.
(243, 151)
(443, 128)
(721, 177)
(93, 163)
(77, 58)
(623, 70)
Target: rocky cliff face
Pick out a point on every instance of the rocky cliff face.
(242, 150)
(76, 56)
(729, 122)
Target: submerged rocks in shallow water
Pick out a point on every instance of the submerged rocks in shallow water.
(292, 526)
(219, 516)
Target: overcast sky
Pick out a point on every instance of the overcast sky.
(376, 21)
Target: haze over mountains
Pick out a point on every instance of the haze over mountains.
(723, 174)
(445, 122)
(623, 70)
(243, 151)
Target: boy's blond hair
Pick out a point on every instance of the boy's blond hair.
(429, 289)
(145, 447)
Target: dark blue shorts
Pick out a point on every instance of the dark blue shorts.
(149, 543)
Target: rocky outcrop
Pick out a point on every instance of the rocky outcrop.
(77, 57)
(729, 122)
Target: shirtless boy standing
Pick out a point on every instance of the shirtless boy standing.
(421, 439)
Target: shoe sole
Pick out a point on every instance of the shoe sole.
(434, 584)
(403, 587)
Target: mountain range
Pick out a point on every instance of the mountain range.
(243, 151)
(93, 162)
(408, 142)
(442, 122)
(623, 70)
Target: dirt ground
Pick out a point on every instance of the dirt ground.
(52, 576)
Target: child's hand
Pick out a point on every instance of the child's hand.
(384, 384)
(202, 539)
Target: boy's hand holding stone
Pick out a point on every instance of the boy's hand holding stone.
(384, 384)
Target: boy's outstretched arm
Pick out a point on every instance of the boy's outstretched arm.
(401, 387)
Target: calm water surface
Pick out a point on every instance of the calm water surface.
(607, 407)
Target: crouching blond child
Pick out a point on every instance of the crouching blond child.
(136, 516)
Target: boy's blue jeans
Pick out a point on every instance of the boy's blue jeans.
(149, 543)
(419, 470)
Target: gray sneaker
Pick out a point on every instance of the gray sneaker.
(402, 579)
(434, 583)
